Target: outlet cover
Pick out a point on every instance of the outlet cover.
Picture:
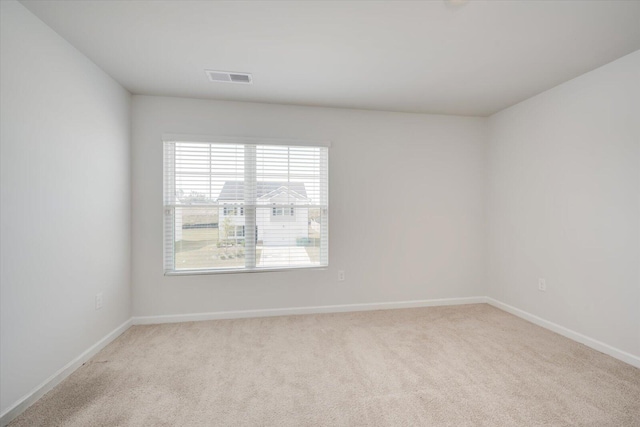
(542, 285)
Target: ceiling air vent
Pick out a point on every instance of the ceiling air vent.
(229, 77)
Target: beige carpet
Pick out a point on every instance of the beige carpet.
(468, 365)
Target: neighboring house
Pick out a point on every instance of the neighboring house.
(276, 212)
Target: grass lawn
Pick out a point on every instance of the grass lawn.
(199, 249)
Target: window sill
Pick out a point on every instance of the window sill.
(241, 271)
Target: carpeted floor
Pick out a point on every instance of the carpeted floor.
(470, 365)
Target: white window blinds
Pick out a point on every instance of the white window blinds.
(234, 207)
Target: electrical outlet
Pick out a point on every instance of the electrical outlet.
(99, 301)
(542, 285)
(341, 276)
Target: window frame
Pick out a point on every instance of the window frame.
(237, 210)
(281, 211)
(193, 138)
(237, 236)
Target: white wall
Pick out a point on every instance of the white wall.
(65, 203)
(564, 204)
(406, 207)
(408, 218)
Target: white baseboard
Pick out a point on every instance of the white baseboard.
(56, 378)
(566, 332)
(177, 318)
(61, 374)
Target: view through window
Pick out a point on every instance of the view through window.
(244, 206)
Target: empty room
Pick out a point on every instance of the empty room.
(319, 213)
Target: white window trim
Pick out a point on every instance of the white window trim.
(237, 210)
(246, 140)
(181, 137)
(283, 211)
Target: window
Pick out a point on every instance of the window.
(282, 211)
(237, 231)
(230, 210)
(232, 206)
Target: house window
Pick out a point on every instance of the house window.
(282, 211)
(232, 206)
(232, 211)
(236, 231)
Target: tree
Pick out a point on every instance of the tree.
(227, 226)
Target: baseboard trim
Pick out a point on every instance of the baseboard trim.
(7, 416)
(240, 314)
(566, 332)
(64, 372)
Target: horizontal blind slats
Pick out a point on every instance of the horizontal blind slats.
(212, 202)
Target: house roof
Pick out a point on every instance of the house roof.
(234, 190)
